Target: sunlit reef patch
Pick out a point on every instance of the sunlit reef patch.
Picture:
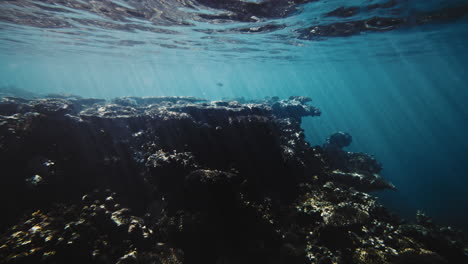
(186, 180)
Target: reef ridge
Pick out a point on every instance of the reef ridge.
(187, 180)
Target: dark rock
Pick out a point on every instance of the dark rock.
(363, 181)
(210, 190)
(446, 241)
(13, 105)
(339, 140)
(183, 180)
(66, 233)
(89, 101)
(295, 108)
(143, 101)
(357, 170)
(125, 101)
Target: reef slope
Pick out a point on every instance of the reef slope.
(184, 180)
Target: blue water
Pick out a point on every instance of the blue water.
(402, 94)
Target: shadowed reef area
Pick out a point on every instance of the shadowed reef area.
(185, 180)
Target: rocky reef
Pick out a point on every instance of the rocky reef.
(185, 180)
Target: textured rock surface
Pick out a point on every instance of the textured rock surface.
(184, 180)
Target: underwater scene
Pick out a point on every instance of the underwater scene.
(234, 131)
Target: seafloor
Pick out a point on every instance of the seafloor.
(185, 180)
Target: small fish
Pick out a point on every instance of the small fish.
(219, 84)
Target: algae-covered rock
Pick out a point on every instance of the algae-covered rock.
(185, 180)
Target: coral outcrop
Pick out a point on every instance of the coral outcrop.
(185, 180)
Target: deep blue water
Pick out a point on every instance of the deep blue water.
(400, 91)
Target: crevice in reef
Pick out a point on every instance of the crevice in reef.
(185, 180)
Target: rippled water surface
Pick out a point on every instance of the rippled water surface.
(392, 73)
(282, 30)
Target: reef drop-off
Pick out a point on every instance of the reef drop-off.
(185, 180)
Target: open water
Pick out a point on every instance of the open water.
(393, 74)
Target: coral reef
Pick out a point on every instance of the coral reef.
(185, 180)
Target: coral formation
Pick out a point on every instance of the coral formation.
(185, 180)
